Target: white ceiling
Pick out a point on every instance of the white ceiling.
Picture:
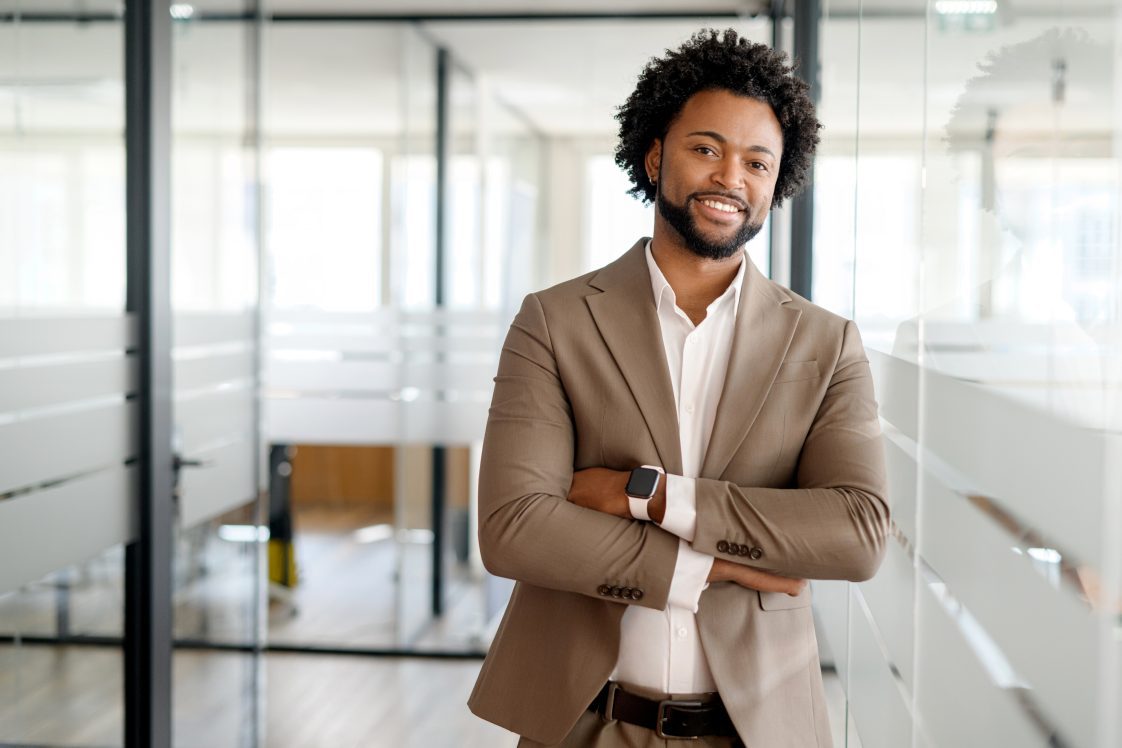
(567, 77)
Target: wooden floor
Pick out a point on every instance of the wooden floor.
(70, 696)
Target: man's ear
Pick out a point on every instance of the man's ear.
(653, 160)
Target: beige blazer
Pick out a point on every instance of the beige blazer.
(793, 483)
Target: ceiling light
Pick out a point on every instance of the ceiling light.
(182, 11)
(966, 7)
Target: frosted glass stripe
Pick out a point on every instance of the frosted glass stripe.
(209, 371)
(359, 376)
(384, 317)
(445, 423)
(225, 482)
(46, 530)
(1003, 334)
(1021, 611)
(957, 703)
(205, 419)
(348, 421)
(48, 448)
(1025, 458)
(53, 335)
(25, 387)
(897, 390)
(311, 317)
(384, 343)
(197, 329)
(879, 708)
(312, 420)
(366, 343)
(830, 599)
(1041, 368)
(901, 469)
(890, 597)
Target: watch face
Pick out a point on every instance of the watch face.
(643, 483)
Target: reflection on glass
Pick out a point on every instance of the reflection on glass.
(983, 176)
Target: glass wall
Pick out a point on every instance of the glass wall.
(217, 582)
(67, 441)
(967, 217)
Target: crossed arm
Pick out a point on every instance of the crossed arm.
(534, 528)
(603, 490)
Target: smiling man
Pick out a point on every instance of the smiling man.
(676, 444)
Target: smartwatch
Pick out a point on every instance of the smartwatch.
(641, 487)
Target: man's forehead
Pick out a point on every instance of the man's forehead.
(728, 116)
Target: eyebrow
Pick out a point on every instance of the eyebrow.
(722, 139)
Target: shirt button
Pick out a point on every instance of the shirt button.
(682, 632)
(689, 408)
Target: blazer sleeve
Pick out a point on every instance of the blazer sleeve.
(835, 523)
(527, 529)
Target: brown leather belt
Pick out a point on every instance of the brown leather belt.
(670, 718)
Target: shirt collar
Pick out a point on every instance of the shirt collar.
(663, 290)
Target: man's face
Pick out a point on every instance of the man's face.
(716, 170)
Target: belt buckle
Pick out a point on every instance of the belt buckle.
(662, 707)
(610, 702)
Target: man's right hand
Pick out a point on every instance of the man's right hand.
(753, 579)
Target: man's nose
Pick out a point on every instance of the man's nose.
(729, 173)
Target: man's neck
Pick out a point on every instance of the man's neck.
(696, 281)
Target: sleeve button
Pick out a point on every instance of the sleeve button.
(734, 549)
(617, 591)
(722, 546)
(636, 594)
(604, 589)
(744, 551)
(756, 553)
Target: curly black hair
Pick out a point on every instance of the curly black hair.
(711, 60)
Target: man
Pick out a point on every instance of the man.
(676, 443)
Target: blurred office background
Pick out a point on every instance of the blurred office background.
(299, 306)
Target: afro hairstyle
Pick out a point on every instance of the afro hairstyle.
(714, 61)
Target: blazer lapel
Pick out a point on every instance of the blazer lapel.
(627, 319)
(764, 329)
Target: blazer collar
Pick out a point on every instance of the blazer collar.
(626, 316)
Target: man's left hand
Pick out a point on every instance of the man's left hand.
(606, 491)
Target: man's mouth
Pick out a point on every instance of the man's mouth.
(725, 205)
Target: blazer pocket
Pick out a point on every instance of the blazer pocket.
(796, 371)
(783, 601)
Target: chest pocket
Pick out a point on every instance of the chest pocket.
(797, 371)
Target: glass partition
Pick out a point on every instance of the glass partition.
(218, 548)
(970, 165)
(67, 374)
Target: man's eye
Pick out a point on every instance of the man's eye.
(758, 165)
(705, 150)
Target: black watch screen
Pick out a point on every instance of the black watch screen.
(642, 483)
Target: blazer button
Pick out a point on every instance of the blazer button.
(604, 589)
(722, 546)
(617, 591)
(636, 594)
(756, 553)
(627, 593)
(734, 549)
(744, 550)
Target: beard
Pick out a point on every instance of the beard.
(679, 218)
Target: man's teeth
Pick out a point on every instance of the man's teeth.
(721, 206)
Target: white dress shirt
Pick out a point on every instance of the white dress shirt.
(660, 649)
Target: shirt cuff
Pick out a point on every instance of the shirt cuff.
(691, 570)
(681, 507)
